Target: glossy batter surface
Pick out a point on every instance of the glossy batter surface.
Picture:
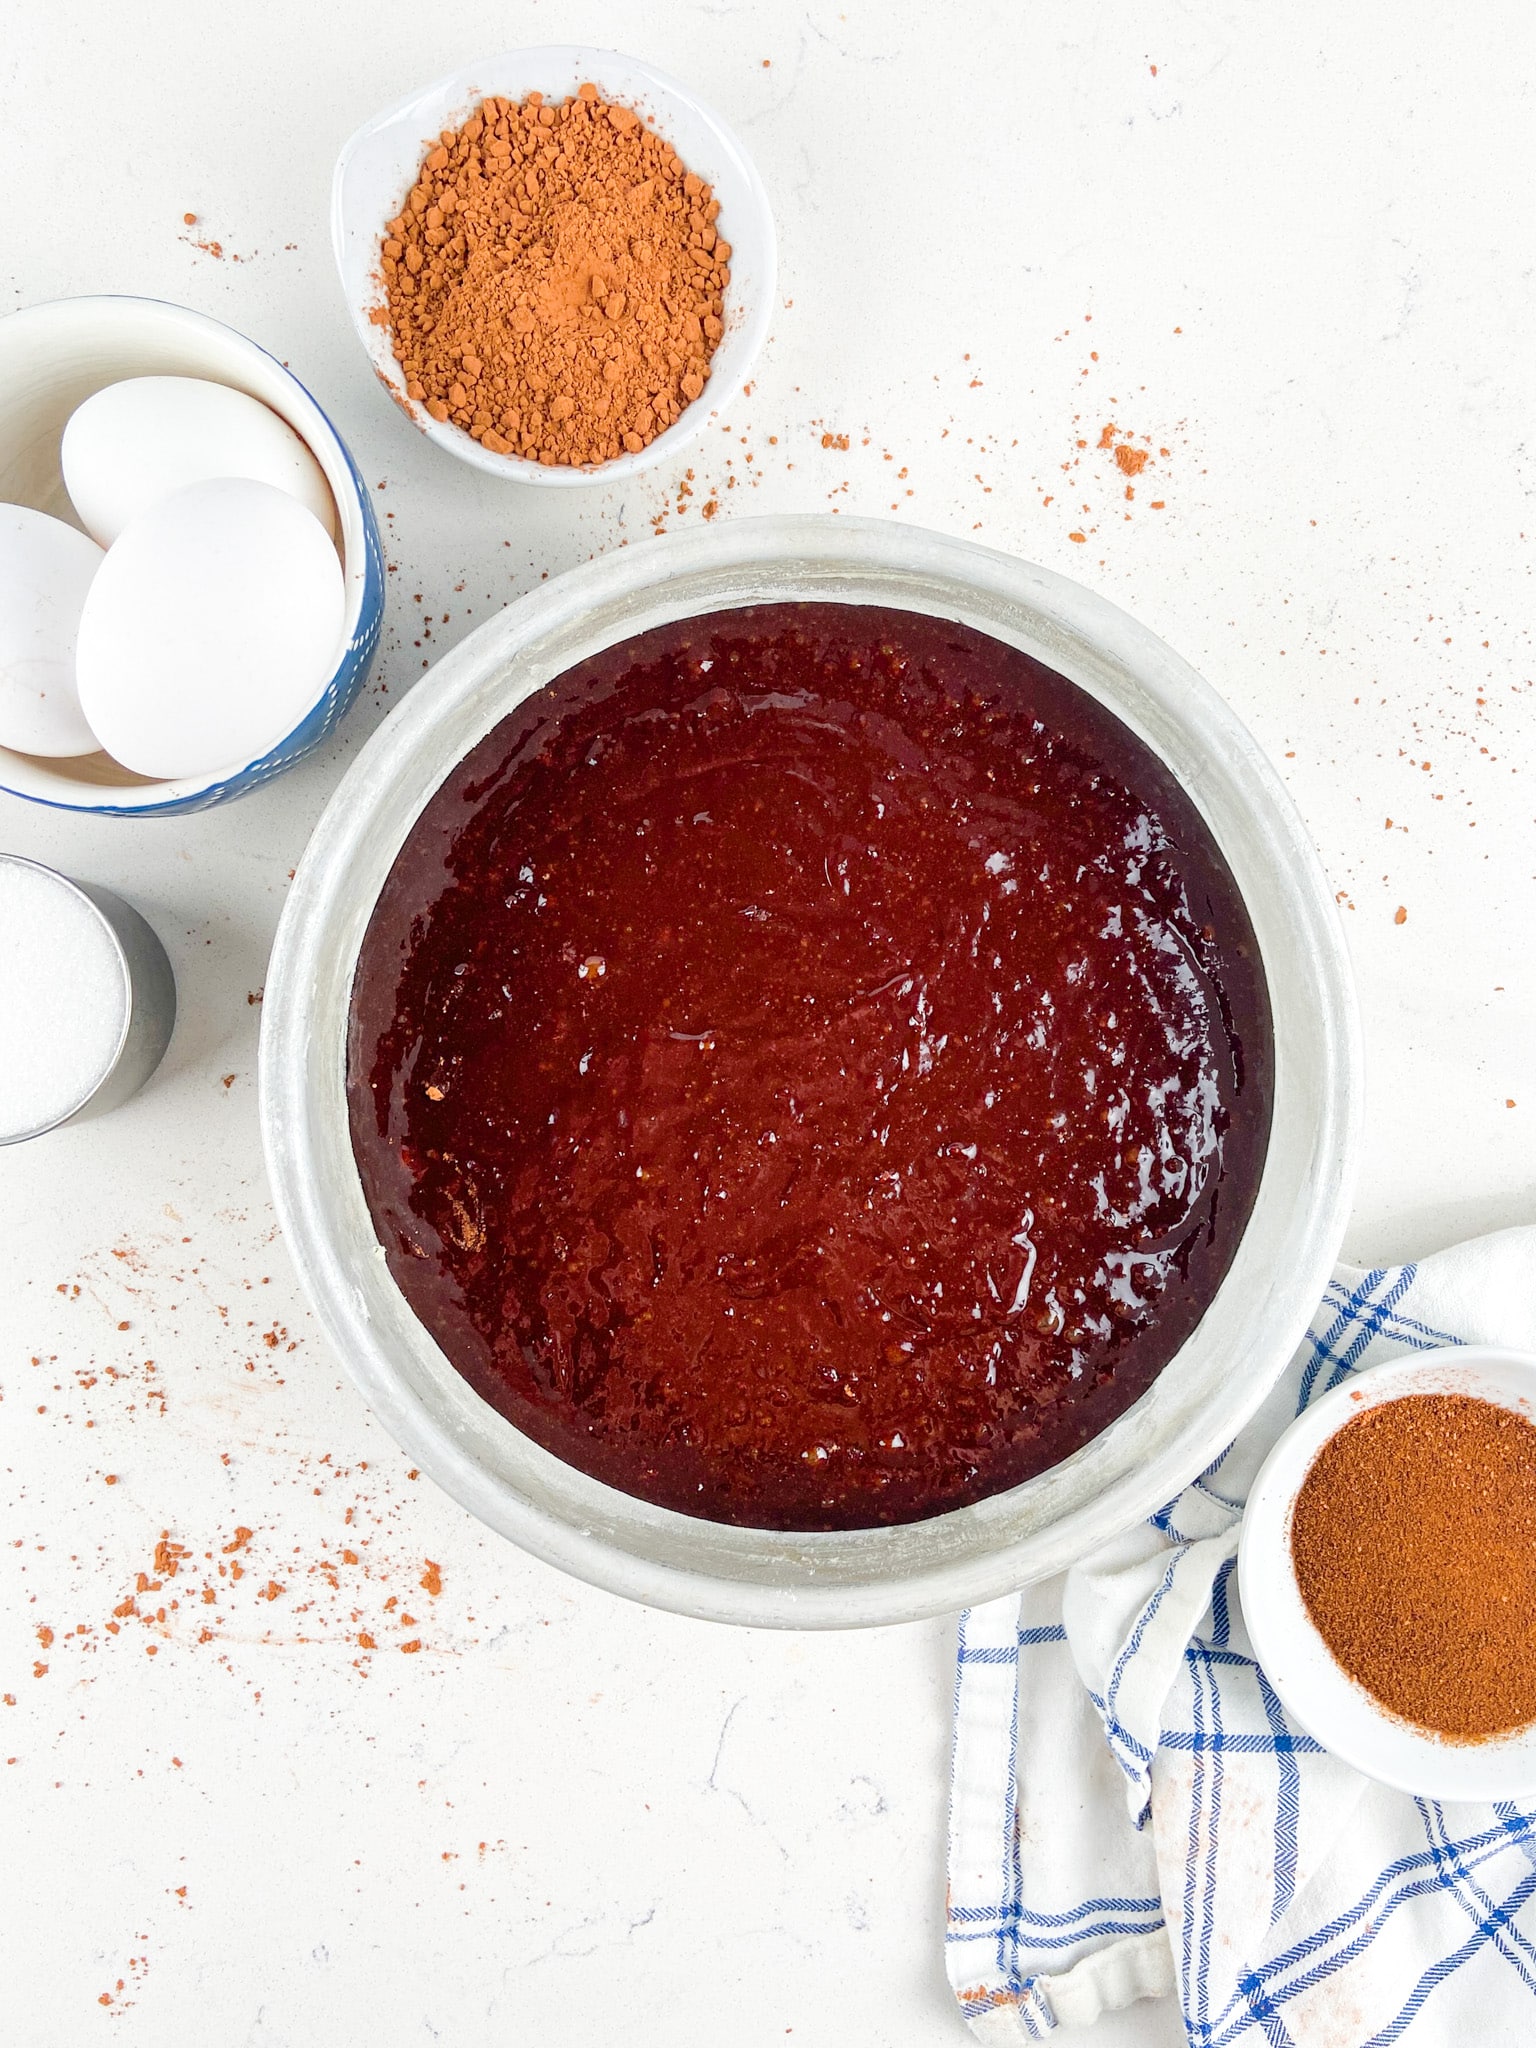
(810, 1067)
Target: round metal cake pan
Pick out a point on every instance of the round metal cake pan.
(854, 1578)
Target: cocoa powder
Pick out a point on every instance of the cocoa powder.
(1414, 1543)
(555, 280)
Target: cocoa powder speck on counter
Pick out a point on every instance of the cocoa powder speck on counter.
(554, 280)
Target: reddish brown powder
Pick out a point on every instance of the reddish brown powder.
(1414, 1542)
(555, 280)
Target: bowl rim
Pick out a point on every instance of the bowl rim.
(1286, 1641)
(756, 317)
(821, 1579)
(167, 796)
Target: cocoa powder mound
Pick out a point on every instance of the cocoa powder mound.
(555, 281)
(1414, 1544)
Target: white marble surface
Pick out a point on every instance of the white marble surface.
(1302, 236)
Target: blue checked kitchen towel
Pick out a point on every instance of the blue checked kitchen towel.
(1132, 1814)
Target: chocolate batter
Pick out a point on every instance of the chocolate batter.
(810, 1067)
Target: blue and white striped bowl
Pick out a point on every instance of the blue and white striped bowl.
(52, 357)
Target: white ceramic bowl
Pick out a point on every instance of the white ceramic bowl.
(380, 164)
(1202, 1397)
(52, 357)
(1315, 1690)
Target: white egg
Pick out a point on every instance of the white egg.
(212, 627)
(46, 568)
(135, 443)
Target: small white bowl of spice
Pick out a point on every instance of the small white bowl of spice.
(1388, 1572)
(560, 262)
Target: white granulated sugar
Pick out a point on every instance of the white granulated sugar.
(63, 998)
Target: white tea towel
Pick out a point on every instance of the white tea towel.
(1133, 1814)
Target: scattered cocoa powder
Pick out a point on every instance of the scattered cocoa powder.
(554, 279)
(1414, 1543)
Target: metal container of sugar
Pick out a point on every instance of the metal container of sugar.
(87, 1000)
